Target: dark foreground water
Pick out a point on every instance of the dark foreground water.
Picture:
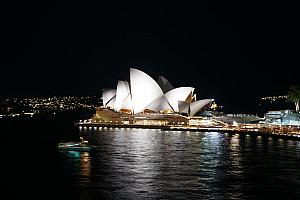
(147, 164)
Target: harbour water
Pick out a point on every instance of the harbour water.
(147, 164)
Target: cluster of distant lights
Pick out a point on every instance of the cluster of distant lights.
(51, 103)
(274, 98)
(56, 103)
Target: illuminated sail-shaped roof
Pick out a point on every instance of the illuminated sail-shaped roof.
(198, 105)
(194, 98)
(159, 104)
(127, 104)
(122, 93)
(178, 94)
(107, 95)
(164, 84)
(183, 107)
(112, 102)
(144, 93)
(144, 90)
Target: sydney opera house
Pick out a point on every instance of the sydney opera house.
(147, 102)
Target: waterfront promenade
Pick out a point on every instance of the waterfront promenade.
(258, 129)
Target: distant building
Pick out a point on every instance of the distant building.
(282, 117)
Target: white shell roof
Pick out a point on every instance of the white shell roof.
(107, 95)
(145, 93)
(123, 92)
(112, 102)
(198, 105)
(127, 104)
(159, 105)
(178, 94)
(144, 90)
(183, 107)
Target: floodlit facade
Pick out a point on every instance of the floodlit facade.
(144, 94)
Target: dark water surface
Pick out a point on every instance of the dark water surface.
(146, 164)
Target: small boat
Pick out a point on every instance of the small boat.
(83, 145)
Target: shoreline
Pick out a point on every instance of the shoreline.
(283, 133)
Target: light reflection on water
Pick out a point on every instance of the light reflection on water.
(81, 162)
(141, 163)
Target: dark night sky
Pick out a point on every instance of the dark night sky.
(223, 49)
